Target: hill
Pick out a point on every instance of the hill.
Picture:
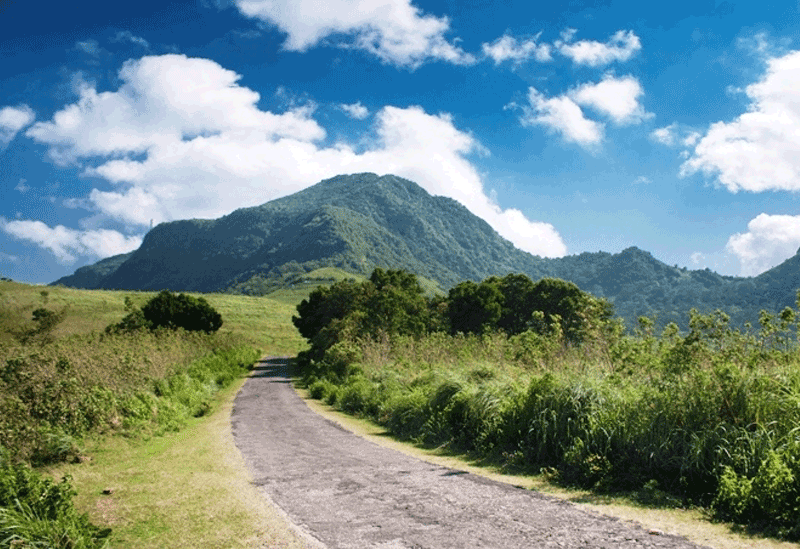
(355, 223)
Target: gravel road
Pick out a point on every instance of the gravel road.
(342, 491)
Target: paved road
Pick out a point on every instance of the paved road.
(346, 492)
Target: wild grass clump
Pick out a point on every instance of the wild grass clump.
(63, 378)
(36, 511)
(51, 397)
(706, 418)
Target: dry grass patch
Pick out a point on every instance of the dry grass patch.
(188, 489)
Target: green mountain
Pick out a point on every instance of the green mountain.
(358, 222)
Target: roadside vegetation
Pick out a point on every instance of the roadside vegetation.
(539, 377)
(78, 365)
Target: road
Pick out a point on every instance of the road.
(342, 491)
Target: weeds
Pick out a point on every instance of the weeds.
(705, 418)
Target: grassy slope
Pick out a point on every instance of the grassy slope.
(184, 489)
(191, 489)
(188, 489)
(263, 322)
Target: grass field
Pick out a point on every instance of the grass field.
(137, 410)
(189, 487)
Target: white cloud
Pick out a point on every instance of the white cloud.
(8, 258)
(697, 258)
(128, 36)
(67, 243)
(759, 150)
(180, 139)
(89, 47)
(616, 98)
(564, 116)
(666, 135)
(508, 48)
(163, 99)
(12, 120)
(355, 110)
(675, 135)
(620, 47)
(22, 187)
(395, 31)
(769, 240)
(642, 180)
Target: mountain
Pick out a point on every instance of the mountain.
(359, 222)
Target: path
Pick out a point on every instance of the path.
(346, 492)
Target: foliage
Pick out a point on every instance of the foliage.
(35, 511)
(474, 308)
(391, 301)
(358, 222)
(516, 304)
(45, 322)
(181, 311)
(708, 418)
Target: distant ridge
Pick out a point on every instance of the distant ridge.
(362, 221)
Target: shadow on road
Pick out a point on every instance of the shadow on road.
(275, 368)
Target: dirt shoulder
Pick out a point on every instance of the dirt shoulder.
(342, 490)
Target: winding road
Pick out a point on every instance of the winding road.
(342, 491)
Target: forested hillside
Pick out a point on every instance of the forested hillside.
(359, 222)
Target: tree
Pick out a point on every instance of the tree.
(573, 308)
(327, 304)
(474, 308)
(518, 305)
(396, 304)
(181, 311)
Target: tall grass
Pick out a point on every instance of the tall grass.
(710, 418)
(62, 378)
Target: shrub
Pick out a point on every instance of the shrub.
(181, 311)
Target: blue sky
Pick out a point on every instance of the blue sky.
(674, 127)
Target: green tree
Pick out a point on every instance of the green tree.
(326, 304)
(181, 311)
(474, 308)
(395, 304)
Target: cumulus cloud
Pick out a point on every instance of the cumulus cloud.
(616, 98)
(355, 110)
(769, 240)
(66, 243)
(12, 120)
(508, 48)
(395, 31)
(759, 150)
(180, 139)
(563, 115)
(620, 47)
(163, 99)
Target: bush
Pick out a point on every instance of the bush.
(181, 311)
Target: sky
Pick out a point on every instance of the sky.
(569, 127)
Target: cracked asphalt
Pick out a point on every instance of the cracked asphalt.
(341, 491)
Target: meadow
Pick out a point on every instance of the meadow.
(706, 419)
(68, 385)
